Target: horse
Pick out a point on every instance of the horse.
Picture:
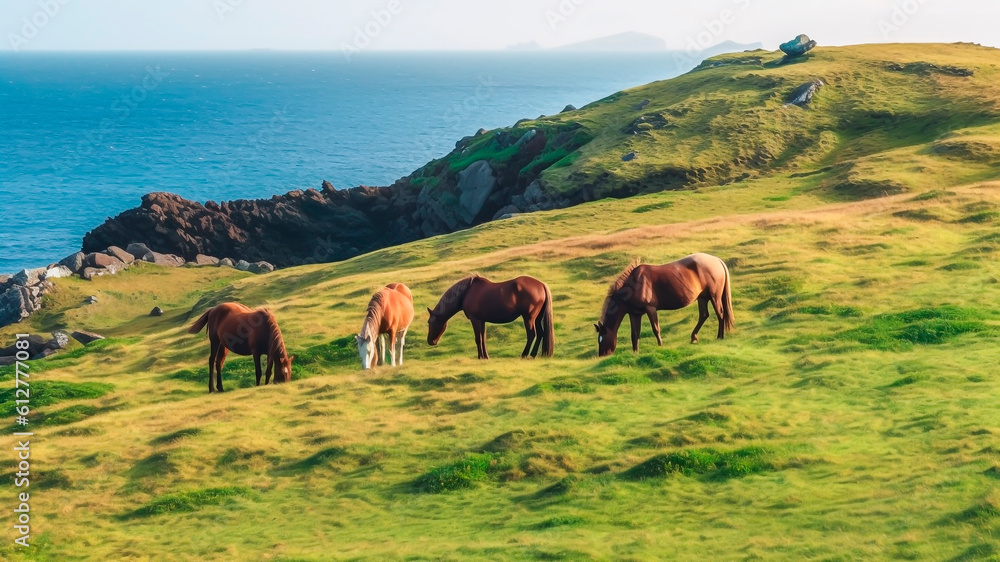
(390, 313)
(234, 327)
(645, 289)
(497, 303)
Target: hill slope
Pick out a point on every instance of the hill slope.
(852, 414)
(926, 113)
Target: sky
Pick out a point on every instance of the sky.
(129, 25)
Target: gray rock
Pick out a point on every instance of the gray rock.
(86, 337)
(804, 93)
(101, 260)
(138, 250)
(226, 262)
(74, 262)
(89, 273)
(641, 105)
(43, 354)
(157, 311)
(58, 272)
(36, 344)
(16, 304)
(6, 361)
(260, 267)
(202, 259)
(507, 212)
(122, 255)
(476, 183)
(630, 156)
(165, 260)
(568, 108)
(797, 47)
(29, 277)
(534, 194)
(526, 137)
(243, 265)
(90, 300)
(60, 340)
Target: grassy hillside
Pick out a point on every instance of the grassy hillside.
(853, 415)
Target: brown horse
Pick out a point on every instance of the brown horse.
(497, 303)
(234, 327)
(390, 313)
(644, 289)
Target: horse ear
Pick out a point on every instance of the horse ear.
(429, 311)
(357, 337)
(597, 327)
(292, 358)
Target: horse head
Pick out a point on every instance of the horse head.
(436, 325)
(366, 349)
(285, 366)
(607, 339)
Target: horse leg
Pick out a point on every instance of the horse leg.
(256, 365)
(636, 321)
(220, 361)
(401, 342)
(702, 317)
(655, 322)
(479, 328)
(392, 347)
(539, 333)
(529, 328)
(268, 371)
(717, 304)
(211, 364)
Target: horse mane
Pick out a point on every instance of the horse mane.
(373, 317)
(618, 283)
(277, 347)
(448, 305)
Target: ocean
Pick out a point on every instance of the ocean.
(84, 136)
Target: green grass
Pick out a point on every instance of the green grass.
(851, 415)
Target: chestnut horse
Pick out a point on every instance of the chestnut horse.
(390, 313)
(644, 289)
(497, 303)
(234, 327)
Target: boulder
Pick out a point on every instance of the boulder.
(43, 354)
(260, 267)
(86, 337)
(630, 156)
(29, 277)
(36, 344)
(534, 194)
(138, 250)
(157, 311)
(74, 262)
(804, 93)
(16, 304)
(58, 272)
(507, 212)
(165, 260)
(243, 265)
(90, 300)
(5, 282)
(476, 183)
(641, 105)
(202, 259)
(6, 361)
(60, 340)
(89, 273)
(797, 47)
(122, 255)
(568, 108)
(101, 260)
(226, 262)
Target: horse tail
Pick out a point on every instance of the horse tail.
(549, 343)
(727, 303)
(199, 324)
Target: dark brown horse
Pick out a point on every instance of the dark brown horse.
(234, 327)
(644, 289)
(390, 313)
(497, 303)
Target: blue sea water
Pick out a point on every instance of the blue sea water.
(84, 136)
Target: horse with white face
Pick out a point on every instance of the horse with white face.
(390, 313)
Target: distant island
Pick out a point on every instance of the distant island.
(633, 42)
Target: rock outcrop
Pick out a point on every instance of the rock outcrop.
(797, 47)
(804, 94)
